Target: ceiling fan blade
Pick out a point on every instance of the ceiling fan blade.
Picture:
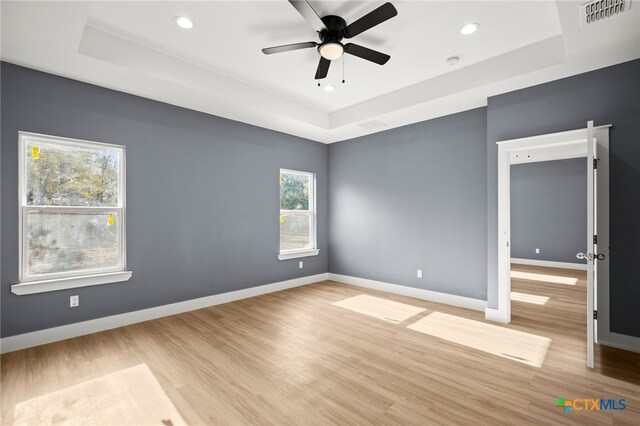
(288, 47)
(371, 19)
(304, 8)
(323, 68)
(366, 53)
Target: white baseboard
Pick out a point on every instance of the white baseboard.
(418, 293)
(49, 335)
(496, 315)
(550, 264)
(622, 341)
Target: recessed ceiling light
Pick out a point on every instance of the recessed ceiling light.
(184, 22)
(453, 60)
(329, 88)
(469, 29)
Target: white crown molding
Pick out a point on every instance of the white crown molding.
(535, 57)
(92, 51)
(127, 52)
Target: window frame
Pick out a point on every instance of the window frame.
(67, 279)
(313, 235)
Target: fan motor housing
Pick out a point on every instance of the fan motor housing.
(334, 25)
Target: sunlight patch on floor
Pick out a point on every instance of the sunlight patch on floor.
(529, 298)
(131, 396)
(519, 346)
(532, 276)
(380, 308)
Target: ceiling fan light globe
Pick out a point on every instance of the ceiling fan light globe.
(331, 51)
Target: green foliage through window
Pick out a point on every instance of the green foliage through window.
(294, 191)
(67, 176)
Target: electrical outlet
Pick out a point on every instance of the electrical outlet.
(537, 251)
(300, 265)
(419, 273)
(74, 301)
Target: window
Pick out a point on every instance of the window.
(72, 214)
(297, 214)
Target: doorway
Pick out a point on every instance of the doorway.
(548, 222)
(592, 143)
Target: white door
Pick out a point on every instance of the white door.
(591, 254)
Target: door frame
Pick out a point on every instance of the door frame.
(553, 146)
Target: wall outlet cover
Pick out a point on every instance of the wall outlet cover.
(74, 301)
(419, 273)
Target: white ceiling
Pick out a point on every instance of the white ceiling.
(217, 67)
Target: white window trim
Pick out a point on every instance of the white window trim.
(42, 286)
(298, 253)
(313, 251)
(65, 280)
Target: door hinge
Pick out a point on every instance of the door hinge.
(595, 163)
(595, 239)
(595, 315)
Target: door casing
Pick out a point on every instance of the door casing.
(554, 146)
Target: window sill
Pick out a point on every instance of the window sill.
(32, 287)
(297, 254)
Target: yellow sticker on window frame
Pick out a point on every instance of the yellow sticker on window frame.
(111, 219)
(35, 152)
(281, 218)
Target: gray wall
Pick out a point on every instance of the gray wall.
(412, 198)
(548, 210)
(608, 95)
(408, 198)
(202, 198)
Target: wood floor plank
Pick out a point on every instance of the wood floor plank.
(297, 357)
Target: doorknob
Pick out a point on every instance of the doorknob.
(590, 256)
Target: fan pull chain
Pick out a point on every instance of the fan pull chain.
(343, 59)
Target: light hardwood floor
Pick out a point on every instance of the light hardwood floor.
(294, 358)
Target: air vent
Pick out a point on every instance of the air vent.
(372, 125)
(598, 10)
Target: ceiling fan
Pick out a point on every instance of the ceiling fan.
(331, 30)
